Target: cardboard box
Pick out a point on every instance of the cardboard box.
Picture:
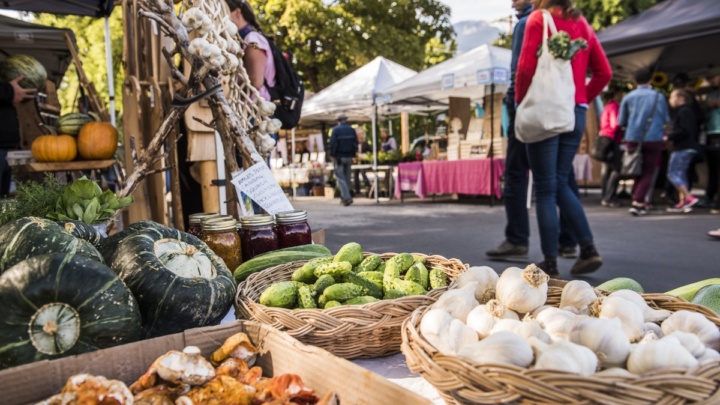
(319, 369)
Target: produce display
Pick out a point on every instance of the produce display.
(33, 71)
(54, 148)
(187, 378)
(70, 124)
(491, 319)
(178, 281)
(97, 141)
(349, 278)
(278, 257)
(62, 304)
(83, 231)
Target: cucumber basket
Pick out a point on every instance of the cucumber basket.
(460, 380)
(348, 331)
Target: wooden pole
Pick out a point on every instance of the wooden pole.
(210, 196)
(405, 131)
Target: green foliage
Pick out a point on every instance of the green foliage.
(85, 201)
(90, 37)
(604, 13)
(32, 199)
(331, 40)
(562, 47)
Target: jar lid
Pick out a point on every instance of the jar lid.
(288, 217)
(221, 224)
(257, 220)
(197, 218)
(217, 217)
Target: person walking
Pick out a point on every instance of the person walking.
(551, 160)
(11, 93)
(363, 148)
(643, 114)
(517, 167)
(712, 143)
(343, 147)
(610, 127)
(682, 141)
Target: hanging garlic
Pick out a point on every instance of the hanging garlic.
(233, 62)
(274, 125)
(199, 47)
(500, 348)
(693, 322)
(267, 143)
(659, 355)
(522, 290)
(483, 317)
(691, 342)
(458, 302)
(652, 327)
(524, 329)
(649, 314)
(563, 356)
(217, 61)
(206, 26)
(192, 19)
(192, 3)
(557, 323)
(617, 307)
(266, 107)
(230, 27)
(486, 278)
(605, 337)
(577, 294)
(233, 47)
(708, 355)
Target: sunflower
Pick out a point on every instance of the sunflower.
(659, 79)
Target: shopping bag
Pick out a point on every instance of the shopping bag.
(632, 162)
(601, 148)
(548, 108)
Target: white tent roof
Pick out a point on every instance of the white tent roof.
(353, 95)
(456, 77)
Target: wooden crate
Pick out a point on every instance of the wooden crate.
(481, 150)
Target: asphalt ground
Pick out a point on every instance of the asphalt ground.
(661, 250)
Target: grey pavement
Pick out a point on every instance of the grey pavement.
(661, 251)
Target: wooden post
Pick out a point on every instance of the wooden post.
(210, 197)
(405, 131)
(139, 210)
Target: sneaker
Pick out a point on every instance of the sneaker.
(567, 252)
(678, 208)
(588, 262)
(714, 234)
(715, 211)
(508, 250)
(690, 201)
(638, 210)
(348, 202)
(610, 204)
(549, 267)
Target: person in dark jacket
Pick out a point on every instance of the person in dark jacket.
(682, 140)
(343, 147)
(10, 94)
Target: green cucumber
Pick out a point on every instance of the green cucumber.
(320, 249)
(271, 259)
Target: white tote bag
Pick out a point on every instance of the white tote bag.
(548, 108)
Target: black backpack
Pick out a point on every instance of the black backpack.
(289, 91)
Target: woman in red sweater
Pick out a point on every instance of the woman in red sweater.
(551, 160)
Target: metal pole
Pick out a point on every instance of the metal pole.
(375, 151)
(292, 165)
(108, 61)
(492, 139)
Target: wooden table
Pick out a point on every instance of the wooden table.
(36, 167)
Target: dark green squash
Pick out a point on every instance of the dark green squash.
(83, 231)
(24, 238)
(178, 281)
(108, 245)
(58, 305)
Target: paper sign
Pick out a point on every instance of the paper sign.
(260, 185)
(484, 76)
(448, 81)
(501, 76)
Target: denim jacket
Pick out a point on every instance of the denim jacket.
(635, 110)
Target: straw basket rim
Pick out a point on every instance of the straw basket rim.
(461, 381)
(358, 331)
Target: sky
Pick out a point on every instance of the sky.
(488, 10)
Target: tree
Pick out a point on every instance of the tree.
(90, 39)
(330, 40)
(604, 13)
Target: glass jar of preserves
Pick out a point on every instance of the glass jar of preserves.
(293, 229)
(195, 227)
(221, 236)
(258, 235)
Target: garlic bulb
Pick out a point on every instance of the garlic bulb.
(577, 294)
(563, 356)
(630, 315)
(652, 327)
(500, 348)
(522, 291)
(444, 332)
(605, 337)
(691, 342)
(230, 27)
(659, 355)
(199, 47)
(557, 323)
(274, 125)
(458, 302)
(708, 355)
(192, 19)
(693, 322)
(486, 278)
(524, 329)
(233, 46)
(648, 337)
(649, 314)
(615, 372)
(483, 317)
(188, 367)
(266, 107)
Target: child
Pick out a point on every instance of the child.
(682, 140)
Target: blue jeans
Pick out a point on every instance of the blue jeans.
(517, 166)
(342, 174)
(551, 162)
(678, 167)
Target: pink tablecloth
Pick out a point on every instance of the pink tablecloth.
(450, 177)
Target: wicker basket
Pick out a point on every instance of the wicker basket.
(370, 330)
(462, 381)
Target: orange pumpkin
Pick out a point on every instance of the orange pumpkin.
(54, 148)
(97, 141)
